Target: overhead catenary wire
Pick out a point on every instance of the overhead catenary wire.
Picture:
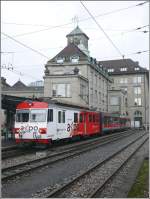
(135, 53)
(25, 45)
(59, 26)
(100, 27)
(103, 14)
(18, 72)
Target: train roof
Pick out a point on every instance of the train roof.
(29, 103)
(63, 103)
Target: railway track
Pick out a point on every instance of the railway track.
(76, 187)
(15, 151)
(68, 152)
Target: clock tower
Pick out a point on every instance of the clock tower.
(79, 38)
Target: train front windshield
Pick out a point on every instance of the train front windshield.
(22, 116)
(38, 115)
(33, 115)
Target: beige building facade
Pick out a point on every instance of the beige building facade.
(74, 76)
(133, 79)
(117, 100)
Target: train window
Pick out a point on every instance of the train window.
(50, 115)
(93, 118)
(22, 116)
(75, 117)
(81, 118)
(63, 117)
(90, 118)
(38, 115)
(59, 116)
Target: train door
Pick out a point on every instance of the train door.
(61, 127)
(51, 124)
(82, 123)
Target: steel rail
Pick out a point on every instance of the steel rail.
(8, 173)
(55, 193)
(96, 192)
(67, 148)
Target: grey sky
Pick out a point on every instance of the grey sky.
(40, 15)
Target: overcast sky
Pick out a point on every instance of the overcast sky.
(46, 24)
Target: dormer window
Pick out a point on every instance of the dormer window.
(60, 60)
(137, 68)
(110, 70)
(74, 59)
(123, 69)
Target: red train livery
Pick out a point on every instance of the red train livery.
(43, 122)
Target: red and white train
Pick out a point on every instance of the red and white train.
(43, 122)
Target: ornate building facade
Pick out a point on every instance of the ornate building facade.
(72, 75)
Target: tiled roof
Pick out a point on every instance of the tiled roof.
(68, 51)
(116, 65)
(77, 31)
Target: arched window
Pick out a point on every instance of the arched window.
(138, 113)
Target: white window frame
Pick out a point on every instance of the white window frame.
(74, 59)
(114, 100)
(110, 70)
(138, 101)
(56, 89)
(137, 90)
(137, 79)
(123, 80)
(60, 60)
(136, 68)
(123, 69)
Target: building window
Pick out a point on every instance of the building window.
(124, 88)
(84, 92)
(59, 60)
(137, 101)
(110, 70)
(96, 80)
(137, 68)
(96, 97)
(91, 95)
(123, 69)
(123, 80)
(61, 90)
(114, 100)
(74, 59)
(137, 113)
(137, 79)
(137, 90)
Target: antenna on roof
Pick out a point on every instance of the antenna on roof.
(75, 20)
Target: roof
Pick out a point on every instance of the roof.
(123, 63)
(70, 50)
(19, 84)
(77, 31)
